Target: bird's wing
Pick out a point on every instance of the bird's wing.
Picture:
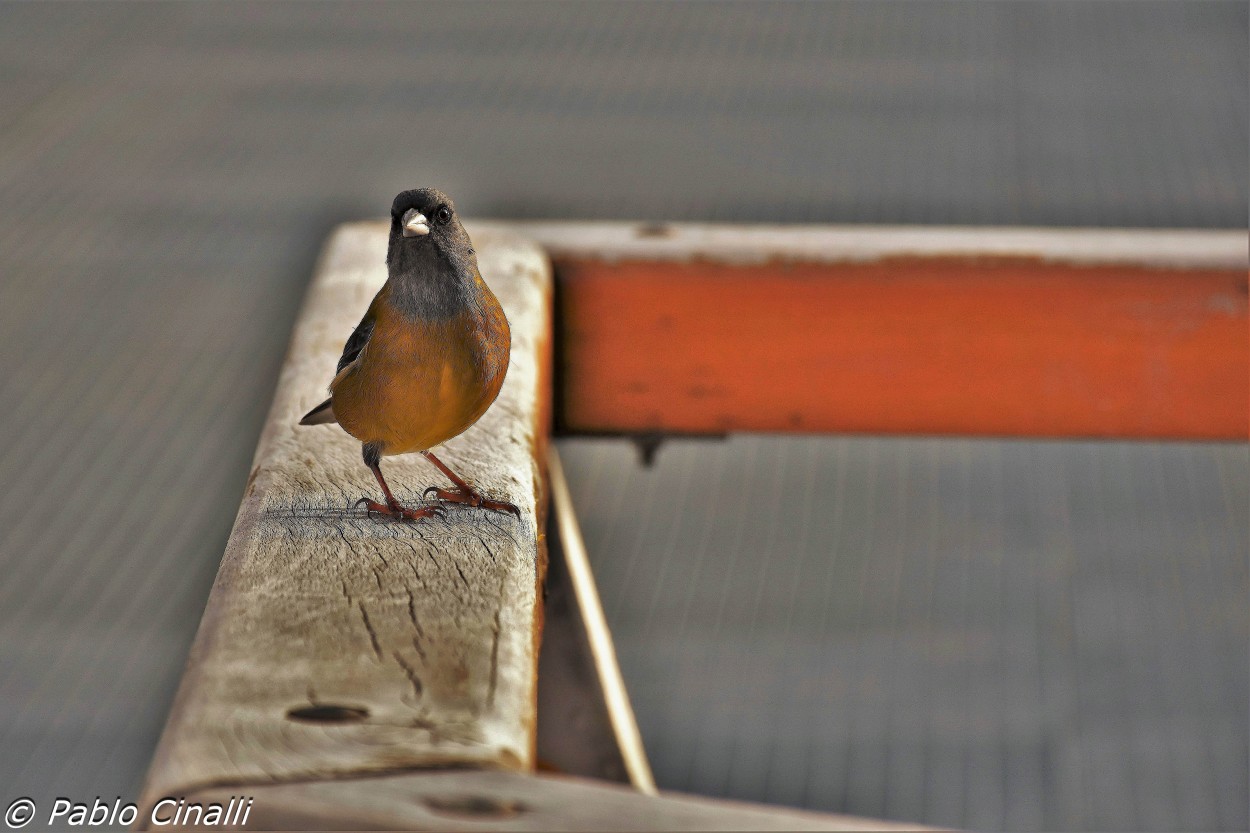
(324, 413)
(358, 339)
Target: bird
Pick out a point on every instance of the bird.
(427, 359)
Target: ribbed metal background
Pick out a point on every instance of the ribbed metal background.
(168, 172)
(988, 634)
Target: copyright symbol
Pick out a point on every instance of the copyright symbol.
(20, 813)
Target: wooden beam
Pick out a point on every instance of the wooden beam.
(1019, 332)
(473, 800)
(334, 645)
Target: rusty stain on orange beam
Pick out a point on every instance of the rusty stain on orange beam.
(912, 345)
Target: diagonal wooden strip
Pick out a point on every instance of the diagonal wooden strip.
(586, 724)
(580, 684)
(395, 645)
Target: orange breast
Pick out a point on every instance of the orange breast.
(419, 383)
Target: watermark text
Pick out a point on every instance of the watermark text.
(171, 811)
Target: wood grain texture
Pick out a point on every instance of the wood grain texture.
(474, 800)
(1019, 332)
(424, 636)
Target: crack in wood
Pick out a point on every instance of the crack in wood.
(494, 660)
(417, 688)
(416, 574)
(338, 528)
(487, 520)
(373, 636)
(418, 631)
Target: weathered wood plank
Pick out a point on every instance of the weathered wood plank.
(1024, 332)
(474, 800)
(334, 645)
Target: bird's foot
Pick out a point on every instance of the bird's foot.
(471, 497)
(398, 511)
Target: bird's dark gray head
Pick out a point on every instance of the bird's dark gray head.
(429, 250)
(425, 226)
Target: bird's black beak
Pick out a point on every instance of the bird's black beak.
(415, 224)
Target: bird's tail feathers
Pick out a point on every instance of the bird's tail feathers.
(320, 415)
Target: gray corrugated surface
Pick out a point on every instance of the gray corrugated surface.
(1000, 635)
(168, 172)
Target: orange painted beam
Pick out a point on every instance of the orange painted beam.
(949, 344)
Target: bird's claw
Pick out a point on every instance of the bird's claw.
(471, 497)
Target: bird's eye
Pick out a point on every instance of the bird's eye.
(442, 215)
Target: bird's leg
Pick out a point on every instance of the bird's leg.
(393, 508)
(464, 493)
